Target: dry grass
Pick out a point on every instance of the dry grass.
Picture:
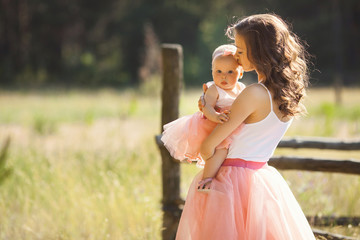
(85, 164)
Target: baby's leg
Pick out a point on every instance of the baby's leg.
(213, 164)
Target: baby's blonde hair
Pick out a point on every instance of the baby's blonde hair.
(224, 50)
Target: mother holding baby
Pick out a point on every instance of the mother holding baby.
(248, 199)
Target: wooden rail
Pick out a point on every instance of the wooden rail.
(334, 221)
(315, 164)
(319, 143)
(349, 166)
(330, 236)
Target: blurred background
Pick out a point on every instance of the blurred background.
(80, 107)
(116, 42)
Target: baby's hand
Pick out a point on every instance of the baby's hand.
(227, 112)
(204, 185)
(222, 117)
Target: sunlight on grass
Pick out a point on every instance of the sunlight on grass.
(85, 164)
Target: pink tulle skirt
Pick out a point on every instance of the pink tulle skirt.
(244, 203)
(184, 136)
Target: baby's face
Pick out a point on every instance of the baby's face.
(225, 71)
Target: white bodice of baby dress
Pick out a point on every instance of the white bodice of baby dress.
(225, 100)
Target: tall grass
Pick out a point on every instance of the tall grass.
(85, 164)
(5, 172)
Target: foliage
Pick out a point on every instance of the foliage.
(105, 43)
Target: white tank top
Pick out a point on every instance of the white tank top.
(257, 141)
(225, 100)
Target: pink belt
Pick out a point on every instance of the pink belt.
(238, 162)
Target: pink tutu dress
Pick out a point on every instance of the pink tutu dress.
(248, 199)
(183, 137)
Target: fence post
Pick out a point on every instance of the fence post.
(172, 63)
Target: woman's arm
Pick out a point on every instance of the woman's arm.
(244, 105)
(210, 97)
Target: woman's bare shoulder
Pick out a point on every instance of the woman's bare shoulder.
(254, 91)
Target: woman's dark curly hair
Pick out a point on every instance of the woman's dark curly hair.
(279, 54)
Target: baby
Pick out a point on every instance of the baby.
(183, 137)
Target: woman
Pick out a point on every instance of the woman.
(249, 199)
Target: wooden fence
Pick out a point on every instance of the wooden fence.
(172, 203)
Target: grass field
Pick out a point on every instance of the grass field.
(85, 164)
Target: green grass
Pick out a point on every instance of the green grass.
(85, 164)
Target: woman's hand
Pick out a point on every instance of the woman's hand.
(201, 102)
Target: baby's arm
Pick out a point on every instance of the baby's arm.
(211, 96)
(212, 166)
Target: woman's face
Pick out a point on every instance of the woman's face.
(242, 54)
